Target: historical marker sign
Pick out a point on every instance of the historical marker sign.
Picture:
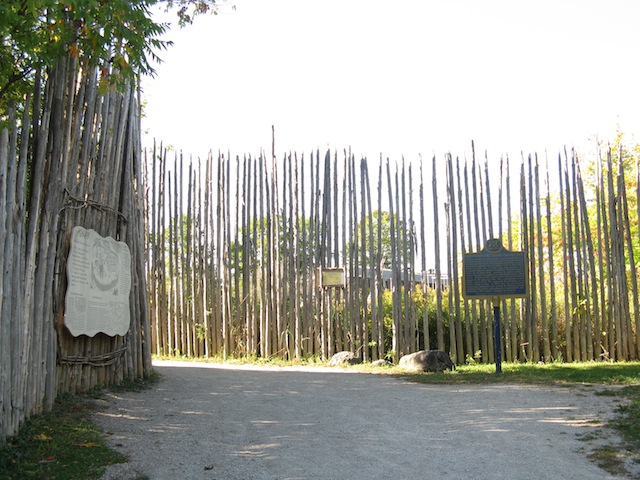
(331, 277)
(99, 282)
(494, 272)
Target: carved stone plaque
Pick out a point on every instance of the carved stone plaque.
(99, 283)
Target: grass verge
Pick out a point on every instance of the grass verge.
(63, 444)
(60, 444)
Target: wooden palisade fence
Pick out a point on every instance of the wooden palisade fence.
(236, 244)
(68, 156)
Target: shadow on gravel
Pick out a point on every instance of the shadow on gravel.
(202, 421)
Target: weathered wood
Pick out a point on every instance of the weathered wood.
(532, 319)
(463, 250)
(436, 243)
(616, 313)
(395, 292)
(45, 189)
(474, 309)
(273, 297)
(423, 264)
(628, 260)
(553, 340)
(455, 273)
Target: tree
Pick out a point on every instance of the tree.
(118, 36)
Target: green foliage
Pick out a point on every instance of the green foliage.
(117, 36)
(419, 301)
(189, 9)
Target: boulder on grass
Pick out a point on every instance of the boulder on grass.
(380, 363)
(342, 358)
(428, 361)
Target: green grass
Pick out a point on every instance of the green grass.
(627, 421)
(587, 373)
(62, 444)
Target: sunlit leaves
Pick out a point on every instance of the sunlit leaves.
(117, 36)
(189, 9)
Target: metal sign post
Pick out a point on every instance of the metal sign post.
(492, 274)
(496, 334)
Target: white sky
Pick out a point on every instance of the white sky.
(399, 77)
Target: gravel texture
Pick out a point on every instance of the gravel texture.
(206, 421)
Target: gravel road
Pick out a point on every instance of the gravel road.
(207, 421)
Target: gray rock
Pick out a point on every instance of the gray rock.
(428, 361)
(380, 363)
(341, 358)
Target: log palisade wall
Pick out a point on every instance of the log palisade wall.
(68, 156)
(235, 245)
(226, 250)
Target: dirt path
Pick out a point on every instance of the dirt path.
(205, 421)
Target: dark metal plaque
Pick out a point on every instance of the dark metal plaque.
(494, 272)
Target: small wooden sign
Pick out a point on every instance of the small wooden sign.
(494, 272)
(331, 277)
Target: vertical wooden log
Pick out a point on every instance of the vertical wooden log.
(423, 258)
(269, 344)
(513, 329)
(411, 260)
(525, 324)
(486, 310)
(208, 262)
(395, 277)
(439, 323)
(628, 240)
(484, 340)
(580, 320)
(364, 277)
(616, 351)
(506, 327)
(377, 351)
(379, 266)
(544, 321)
(474, 310)
(533, 298)
(306, 313)
(345, 334)
(263, 269)
(8, 356)
(463, 250)
(173, 239)
(572, 263)
(229, 263)
(637, 311)
(592, 317)
(554, 341)
(187, 225)
(564, 199)
(455, 325)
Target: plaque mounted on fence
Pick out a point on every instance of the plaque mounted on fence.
(99, 282)
(494, 272)
(331, 277)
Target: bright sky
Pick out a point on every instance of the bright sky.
(399, 77)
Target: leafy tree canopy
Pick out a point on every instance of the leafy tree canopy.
(118, 36)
